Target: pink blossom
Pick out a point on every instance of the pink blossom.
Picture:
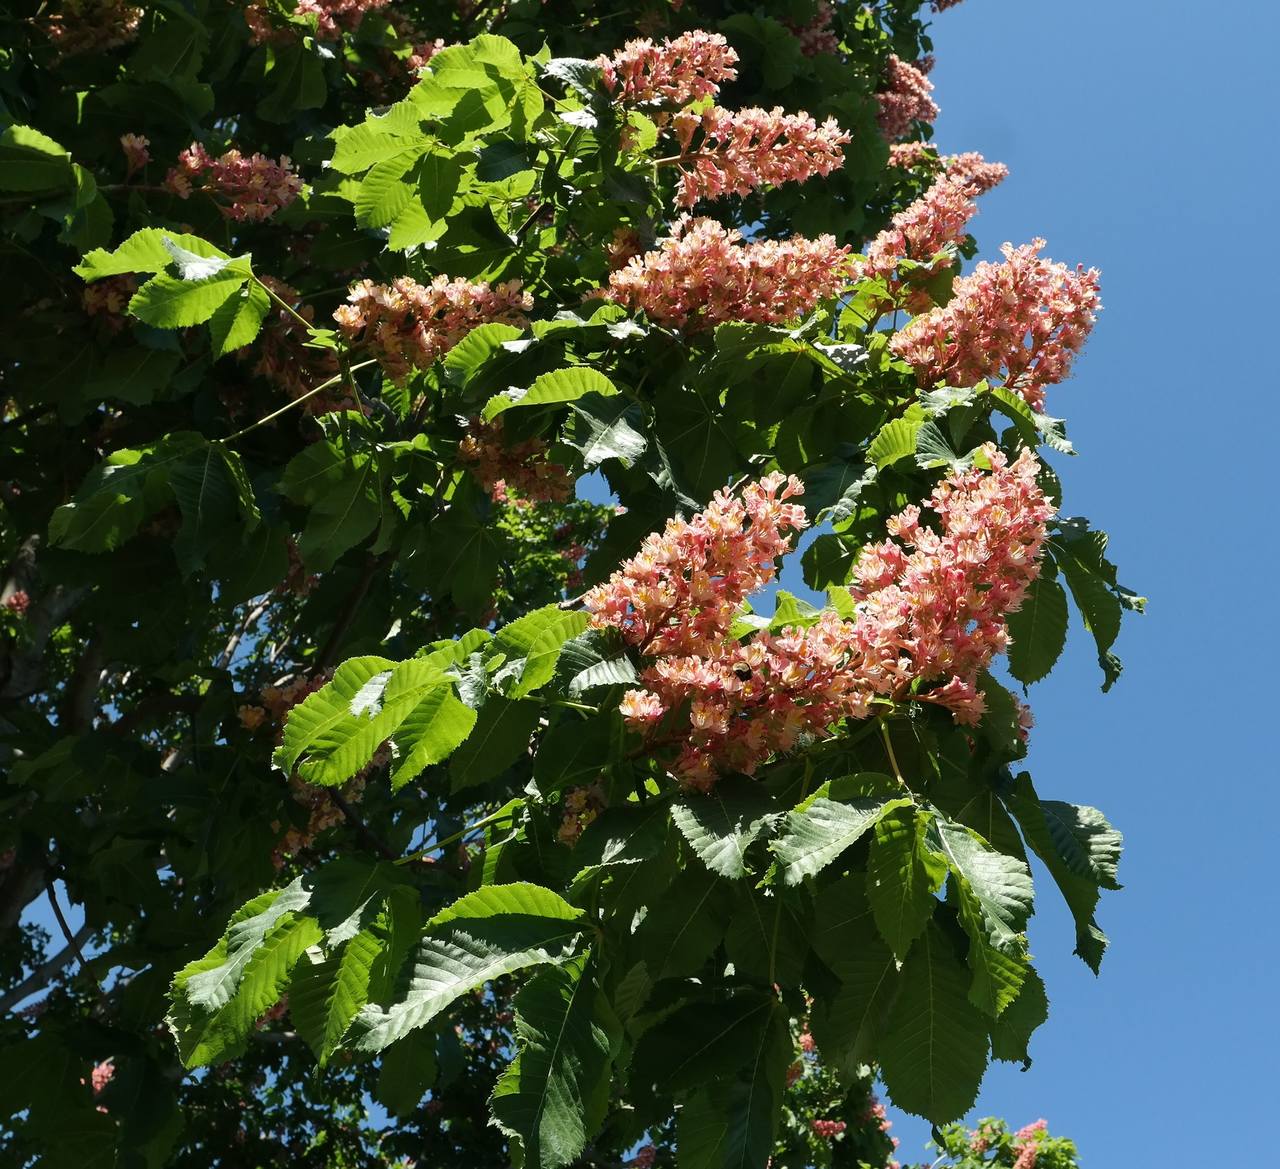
(281, 356)
(1021, 321)
(101, 1075)
(582, 805)
(245, 187)
(675, 72)
(521, 467)
(739, 151)
(931, 609)
(645, 1157)
(332, 18)
(827, 1129)
(409, 325)
(108, 300)
(81, 26)
(905, 99)
(969, 168)
(933, 222)
(943, 5)
(136, 154)
(704, 274)
(817, 36)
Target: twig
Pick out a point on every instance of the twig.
(42, 975)
(333, 381)
(72, 943)
(362, 829)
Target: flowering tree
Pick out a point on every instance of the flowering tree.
(366, 742)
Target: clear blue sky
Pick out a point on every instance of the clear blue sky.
(1141, 139)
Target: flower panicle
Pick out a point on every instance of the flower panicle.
(675, 72)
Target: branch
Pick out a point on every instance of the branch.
(42, 975)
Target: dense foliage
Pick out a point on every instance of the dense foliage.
(384, 760)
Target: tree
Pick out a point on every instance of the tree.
(353, 727)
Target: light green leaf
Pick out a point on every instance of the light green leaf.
(935, 1049)
(237, 321)
(561, 385)
(469, 354)
(144, 251)
(326, 995)
(553, 1097)
(896, 440)
(605, 428)
(430, 733)
(532, 645)
(169, 302)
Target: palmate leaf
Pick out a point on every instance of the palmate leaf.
(902, 877)
(532, 646)
(553, 1096)
(684, 925)
(494, 931)
(147, 250)
(1000, 885)
(175, 302)
(430, 733)
(723, 824)
(813, 837)
(934, 1050)
(550, 389)
(236, 322)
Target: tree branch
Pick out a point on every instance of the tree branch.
(43, 974)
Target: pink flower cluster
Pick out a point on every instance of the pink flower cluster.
(943, 5)
(970, 168)
(817, 36)
(409, 325)
(675, 72)
(81, 26)
(923, 229)
(136, 154)
(520, 467)
(1026, 1144)
(930, 609)
(645, 1157)
(332, 18)
(703, 274)
(245, 187)
(933, 605)
(739, 151)
(1022, 320)
(582, 805)
(828, 1129)
(905, 99)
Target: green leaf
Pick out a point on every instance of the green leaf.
(812, 838)
(723, 824)
(430, 733)
(237, 321)
(550, 389)
(532, 646)
(469, 354)
(1039, 630)
(1000, 885)
(577, 751)
(731, 1123)
(700, 1043)
(383, 192)
(1080, 892)
(684, 925)
(209, 501)
(119, 493)
(170, 302)
(343, 486)
(1011, 1032)
(849, 1023)
(935, 1049)
(1082, 564)
(553, 1097)
(494, 931)
(408, 1069)
(606, 428)
(902, 878)
(32, 161)
(144, 251)
(500, 736)
(325, 996)
(297, 83)
(896, 440)
(334, 732)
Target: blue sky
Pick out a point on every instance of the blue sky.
(1141, 139)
